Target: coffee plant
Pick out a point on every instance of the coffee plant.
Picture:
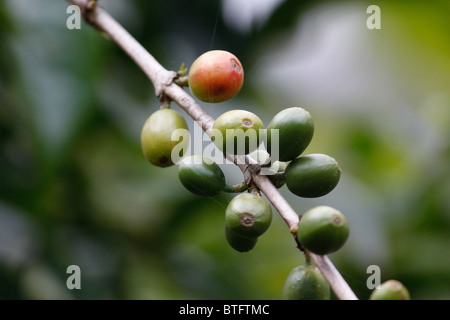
(217, 76)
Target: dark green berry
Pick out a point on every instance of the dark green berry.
(239, 243)
(201, 175)
(248, 215)
(295, 131)
(323, 230)
(306, 283)
(312, 175)
(390, 290)
(237, 132)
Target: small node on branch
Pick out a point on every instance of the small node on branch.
(250, 171)
(299, 245)
(164, 102)
(91, 5)
(255, 190)
(183, 70)
(181, 79)
(166, 79)
(308, 259)
(88, 11)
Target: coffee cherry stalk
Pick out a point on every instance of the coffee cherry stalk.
(217, 76)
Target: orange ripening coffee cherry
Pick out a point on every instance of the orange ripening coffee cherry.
(216, 76)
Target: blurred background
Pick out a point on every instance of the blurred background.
(75, 188)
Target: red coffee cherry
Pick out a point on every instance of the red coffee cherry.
(216, 76)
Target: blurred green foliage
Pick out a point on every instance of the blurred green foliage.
(76, 189)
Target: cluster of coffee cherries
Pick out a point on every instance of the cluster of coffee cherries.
(217, 76)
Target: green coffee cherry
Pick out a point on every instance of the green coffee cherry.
(295, 131)
(248, 215)
(306, 283)
(323, 230)
(390, 290)
(201, 176)
(312, 175)
(239, 243)
(156, 137)
(237, 132)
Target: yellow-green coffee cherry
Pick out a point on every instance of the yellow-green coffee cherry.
(312, 175)
(323, 230)
(390, 290)
(248, 215)
(295, 129)
(306, 283)
(201, 175)
(239, 243)
(156, 137)
(236, 132)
